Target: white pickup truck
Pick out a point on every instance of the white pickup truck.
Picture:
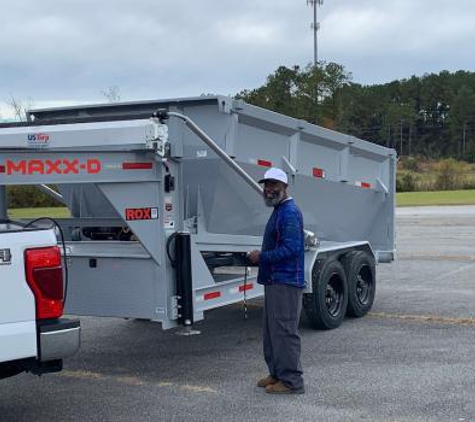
(33, 336)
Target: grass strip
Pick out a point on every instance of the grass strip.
(53, 212)
(452, 197)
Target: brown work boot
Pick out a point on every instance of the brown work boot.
(280, 388)
(264, 382)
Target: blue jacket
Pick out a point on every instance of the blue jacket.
(282, 253)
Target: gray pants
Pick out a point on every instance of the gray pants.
(282, 307)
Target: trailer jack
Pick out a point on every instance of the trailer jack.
(184, 282)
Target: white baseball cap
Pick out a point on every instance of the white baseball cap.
(275, 174)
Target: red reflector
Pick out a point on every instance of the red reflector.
(2, 169)
(137, 166)
(318, 172)
(45, 278)
(264, 163)
(246, 287)
(212, 295)
(365, 185)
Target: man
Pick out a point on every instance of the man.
(281, 271)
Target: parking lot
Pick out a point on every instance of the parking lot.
(411, 359)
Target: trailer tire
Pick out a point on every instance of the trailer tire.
(326, 306)
(361, 275)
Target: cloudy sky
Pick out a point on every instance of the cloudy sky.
(68, 51)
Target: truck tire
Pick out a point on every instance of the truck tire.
(326, 306)
(361, 275)
(9, 370)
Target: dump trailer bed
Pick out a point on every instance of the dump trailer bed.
(163, 216)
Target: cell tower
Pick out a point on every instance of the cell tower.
(315, 27)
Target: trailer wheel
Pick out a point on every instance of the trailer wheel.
(326, 306)
(361, 275)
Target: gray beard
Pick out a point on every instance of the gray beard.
(275, 200)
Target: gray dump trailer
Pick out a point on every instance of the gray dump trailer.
(164, 204)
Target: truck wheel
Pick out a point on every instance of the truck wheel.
(361, 275)
(326, 306)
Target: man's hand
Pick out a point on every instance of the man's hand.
(254, 256)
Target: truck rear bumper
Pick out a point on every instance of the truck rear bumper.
(59, 339)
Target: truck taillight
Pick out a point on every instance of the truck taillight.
(45, 278)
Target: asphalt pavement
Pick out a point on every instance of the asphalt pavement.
(411, 359)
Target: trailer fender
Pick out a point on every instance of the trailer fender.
(310, 258)
(317, 256)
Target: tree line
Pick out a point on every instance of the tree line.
(431, 115)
